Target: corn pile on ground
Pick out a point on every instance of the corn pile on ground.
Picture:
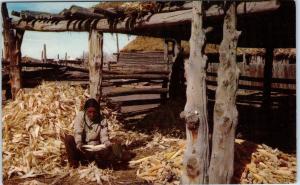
(33, 127)
(253, 163)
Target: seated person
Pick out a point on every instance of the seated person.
(91, 128)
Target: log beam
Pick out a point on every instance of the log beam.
(81, 13)
(225, 111)
(196, 155)
(244, 8)
(95, 63)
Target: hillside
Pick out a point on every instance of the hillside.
(156, 44)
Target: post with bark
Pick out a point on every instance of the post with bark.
(196, 155)
(12, 51)
(95, 63)
(225, 111)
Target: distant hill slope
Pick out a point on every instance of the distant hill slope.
(156, 44)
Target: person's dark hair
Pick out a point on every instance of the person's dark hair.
(91, 103)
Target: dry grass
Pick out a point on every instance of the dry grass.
(144, 44)
(106, 5)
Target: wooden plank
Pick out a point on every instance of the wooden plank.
(138, 102)
(136, 76)
(138, 112)
(135, 71)
(125, 92)
(71, 68)
(126, 82)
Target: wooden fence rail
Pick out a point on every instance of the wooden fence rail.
(284, 75)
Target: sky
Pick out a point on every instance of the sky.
(59, 43)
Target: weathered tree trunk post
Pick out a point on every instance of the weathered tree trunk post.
(225, 111)
(196, 156)
(95, 63)
(6, 47)
(12, 53)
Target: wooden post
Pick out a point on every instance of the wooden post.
(225, 111)
(117, 39)
(95, 63)
(6, 46)
(44, 54)
(12, 51)
(66, 58)
(164, 96)
(15, 71)
(268, 73)
(196, 155)
(177, 73)
(118, 50)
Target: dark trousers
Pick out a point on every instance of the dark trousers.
(74, 155)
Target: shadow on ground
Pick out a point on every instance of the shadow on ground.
(274, 126)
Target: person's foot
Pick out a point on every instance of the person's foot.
(127, 156)
(74, 164)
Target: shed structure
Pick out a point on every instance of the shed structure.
(264, 24)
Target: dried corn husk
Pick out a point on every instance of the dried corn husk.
(92, 173)
(94, 148)
(33, 182)
(263, 166)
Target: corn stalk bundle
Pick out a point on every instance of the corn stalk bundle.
(253, 163)
(33, 127)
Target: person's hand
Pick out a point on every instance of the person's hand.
(108, 144)
(80, 148)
